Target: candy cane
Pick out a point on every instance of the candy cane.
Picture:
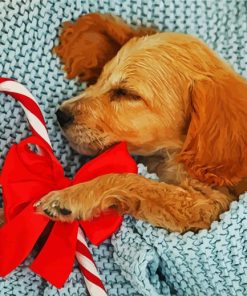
(37, 123)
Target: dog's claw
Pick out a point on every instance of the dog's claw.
(55, 204)
(38, 204)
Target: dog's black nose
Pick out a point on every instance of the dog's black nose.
(64, 117)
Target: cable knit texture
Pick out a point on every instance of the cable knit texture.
(139, 259)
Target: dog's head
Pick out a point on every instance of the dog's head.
(166, 91)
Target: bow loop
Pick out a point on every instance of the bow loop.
(26, 177)
(25, 171)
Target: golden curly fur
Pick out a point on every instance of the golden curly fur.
(175, 102)
(87, 44)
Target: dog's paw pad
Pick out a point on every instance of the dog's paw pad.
(49, 213)
(64, 211)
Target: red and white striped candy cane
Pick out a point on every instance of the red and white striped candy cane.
(37, 123)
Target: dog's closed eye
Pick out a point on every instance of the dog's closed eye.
(123, 93)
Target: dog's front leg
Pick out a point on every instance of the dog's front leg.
(172, 207)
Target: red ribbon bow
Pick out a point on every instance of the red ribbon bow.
(26, 177)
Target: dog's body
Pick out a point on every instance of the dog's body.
(175, 102)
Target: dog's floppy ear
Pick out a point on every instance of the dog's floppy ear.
(215, 149)
(87, 44)
(117, 29)
(120, 31)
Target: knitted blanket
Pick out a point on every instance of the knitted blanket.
(139, 259)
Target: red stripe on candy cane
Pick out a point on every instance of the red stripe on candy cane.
(29, 105)
(88, 267)
(37, 123)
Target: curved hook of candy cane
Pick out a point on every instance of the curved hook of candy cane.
(29, 105)
(37, 123)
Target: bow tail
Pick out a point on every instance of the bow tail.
(56, 258)
(18, 237)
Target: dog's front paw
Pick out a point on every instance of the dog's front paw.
(57, 206)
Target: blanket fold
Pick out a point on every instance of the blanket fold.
(139, 261)
(211, 262)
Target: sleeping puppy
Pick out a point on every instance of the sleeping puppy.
(176, 103)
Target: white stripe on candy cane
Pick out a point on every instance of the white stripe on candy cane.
(90, 266)
(11, 85)
(94, 289)
(36, 124)
(14, 89)
(81, 237)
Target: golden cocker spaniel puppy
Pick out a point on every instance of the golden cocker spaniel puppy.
(176, 103)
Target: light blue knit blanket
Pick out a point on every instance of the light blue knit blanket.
(139, 259)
